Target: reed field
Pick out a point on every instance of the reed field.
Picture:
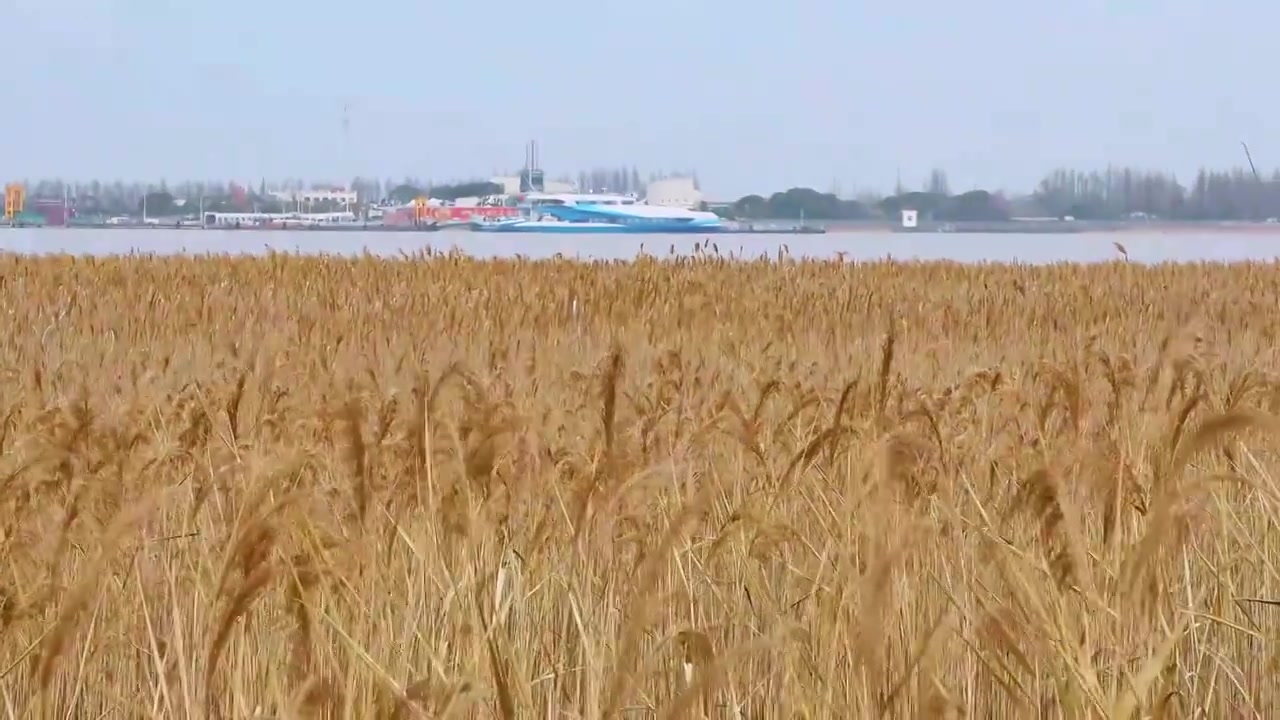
(437, 487)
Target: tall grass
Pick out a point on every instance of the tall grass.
(291, 487)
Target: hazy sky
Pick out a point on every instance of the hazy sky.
(756, 96)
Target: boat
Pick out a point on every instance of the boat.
(597, 214)
(27, 219)
(548, 225)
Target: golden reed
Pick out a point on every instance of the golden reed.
(438, 487)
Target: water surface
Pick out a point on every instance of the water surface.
(1183, 246)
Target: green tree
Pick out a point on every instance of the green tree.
(404, 193)
(800, 203)
(157, 204)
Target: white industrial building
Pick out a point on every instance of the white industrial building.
(673, 192)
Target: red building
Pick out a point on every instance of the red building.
(404, 216)
(54, 211)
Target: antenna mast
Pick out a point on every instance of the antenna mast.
(1256, 177)
(1249, 157)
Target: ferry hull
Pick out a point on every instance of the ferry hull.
(637, 219)
(592, 228)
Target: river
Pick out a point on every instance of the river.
(969, 248)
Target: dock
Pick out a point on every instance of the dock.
(754, 229)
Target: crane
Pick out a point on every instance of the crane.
(15, 197)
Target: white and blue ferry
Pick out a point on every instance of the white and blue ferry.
(600, 213)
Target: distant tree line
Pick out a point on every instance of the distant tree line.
(1110, 194)
(624, 180)
(406, 193)
(809, 204)
(1235, 194)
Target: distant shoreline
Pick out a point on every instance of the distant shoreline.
(1061, 228)
(1243, 228)
(878, 227)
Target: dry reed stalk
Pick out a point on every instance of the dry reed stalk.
(81, 594)
(839, 489)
